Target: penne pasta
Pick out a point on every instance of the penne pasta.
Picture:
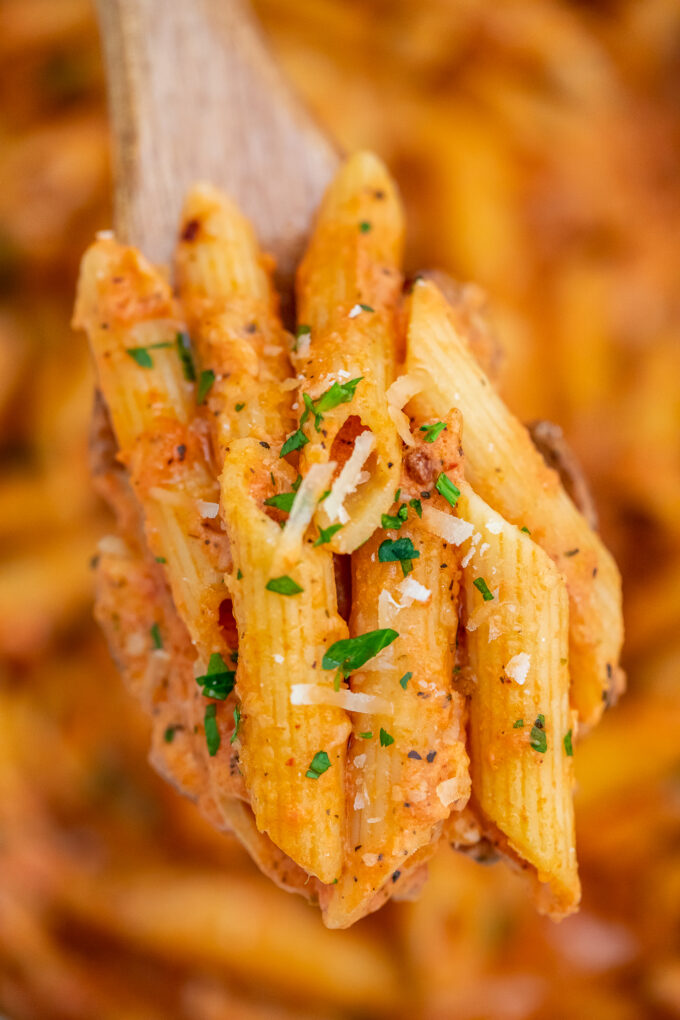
(292, 755)
(348, 287)
(231, 309)
(521, 727)
(508, 472)
(408, 766)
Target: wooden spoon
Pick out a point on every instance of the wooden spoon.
(195, 95)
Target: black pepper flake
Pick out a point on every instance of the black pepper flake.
(431, 756)
(265, 445)
(610, 671)
(251, 327)
(181, 451)
(425, 495)
(395, 875)
(389, 464)
(414, 755)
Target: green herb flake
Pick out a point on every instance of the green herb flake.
(326, 534)
(537, 737)
(212, 733)
(160, 559)
(387, 521)
(385, 738)
(283, 585)
(294, 442)
(568, 746)
(364, 226)
(526, 530)
(518, 724)
(397, 495)
(433, 432)
(417, 506)
(404, 680)
(141, 354)
(483, 588)
(237, 724)
(218, 682)
(366, 308)
(398, 549)
(351, 653)
(239, 407)
(239, 574)
(205, 384)
(338, 393)
(185, 356)
(402, 512)
(302, 330)
(320, 763)
(282, 501)
(447, 489)
(368, 735)
(156, 636)
(169, 734)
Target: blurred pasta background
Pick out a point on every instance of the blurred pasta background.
(536, 145)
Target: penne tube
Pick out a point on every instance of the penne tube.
(408, 767)
(292, 755)
(521, 727)
(507, 471)
(348, 288)
(231, 310)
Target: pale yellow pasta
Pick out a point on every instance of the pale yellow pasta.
(348, 287)
(231, 310)
(282, 640)
(506, 470)
(521, 727)
(408, 767)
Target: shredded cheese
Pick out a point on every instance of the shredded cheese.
(399, 394)
(312, 486)
(451, 790)
(347, 481)
(351, 701)
(413, 590)
(446, 526)
(112, 545)
(518, 667)
(206, 509)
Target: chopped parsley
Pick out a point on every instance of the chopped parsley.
(239, 574)
(156, 636)
(237, 724)
(368, 735)
(518, 724)
(385, 738)
(169, 734)
(239, 407)
(326, 534)
(160, 559)
(219, 680)
(205, 384)
(294, 442)
(283, 585)
(568, 746)
(433, 432)
(537, 737)
(526, 530)
(185, 356)
(212, 733)
(282, 501)
(404, 680)
(397, 495)
(141, 354)
(398, 550)
(388, 521)
(417, 506)
(364, 226)
(482, 587)
(447, 489)
(320, 763)
(338, 393)
(351, 653)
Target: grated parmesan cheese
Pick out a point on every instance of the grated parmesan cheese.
(105, 235)
(446, 526)
(370, 860)
(450, 790)
(413, 590)
(360, 761)
(495, 527)
(360, 802)
(347, 481)
(304, 505)
(518, 667)
(399, 394)
(277, 658)
(112, 545)
(351, 701)
(206, 509)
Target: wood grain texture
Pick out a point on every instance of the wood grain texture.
(195, 95)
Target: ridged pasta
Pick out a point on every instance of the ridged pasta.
(506, 470)
(348, 286)
(282, 639)
(521, 727)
